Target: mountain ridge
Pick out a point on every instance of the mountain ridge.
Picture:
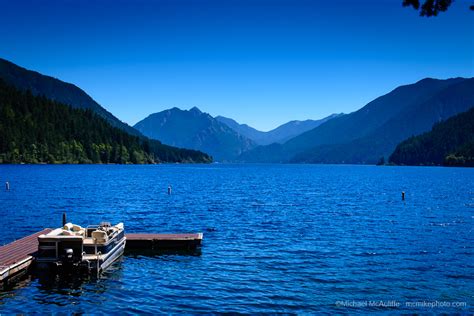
(57, 90)
(202, 132)
(280, 134)
(381, 142)
(340, 140)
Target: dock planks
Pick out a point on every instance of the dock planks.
(17, 256)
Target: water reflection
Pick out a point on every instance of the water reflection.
(60, 289)
(70, 284)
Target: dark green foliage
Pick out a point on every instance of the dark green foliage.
(34, 129)
(429, 7)
(450, 143)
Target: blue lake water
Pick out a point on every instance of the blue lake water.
(277, 238)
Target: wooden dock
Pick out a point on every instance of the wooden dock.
(163, 241)
(16, 257)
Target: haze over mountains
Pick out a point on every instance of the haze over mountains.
(278, 135)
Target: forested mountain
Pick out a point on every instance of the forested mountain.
(280, 134)
(197, 130)
(34, 129)
(374, 131)
(450, 142)
(56, 90)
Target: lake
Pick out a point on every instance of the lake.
(277, 238)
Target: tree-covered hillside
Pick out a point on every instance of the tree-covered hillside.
(34, 129)
(450, 143)
(57, 90)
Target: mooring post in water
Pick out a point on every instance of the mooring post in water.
(7, 186)
(169, 190)
(403, 195)
(64, 219)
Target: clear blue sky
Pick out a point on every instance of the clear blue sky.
(261, 62)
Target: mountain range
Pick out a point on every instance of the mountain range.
(280, 134)
(374, 131)
(196, 130)
(365, 136)
(221, 137)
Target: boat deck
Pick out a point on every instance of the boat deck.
(17, 256)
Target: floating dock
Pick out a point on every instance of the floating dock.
(163, 241)
(17, 256)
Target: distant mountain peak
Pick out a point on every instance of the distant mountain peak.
(197, 130)
(280, 134)
(195, 109)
